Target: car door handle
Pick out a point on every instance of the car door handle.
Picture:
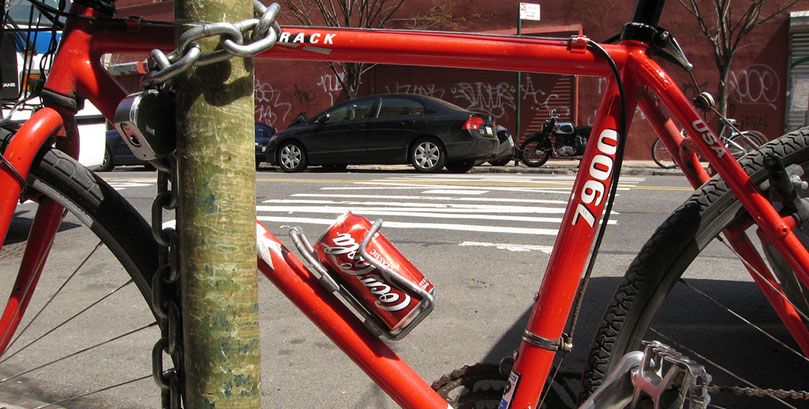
(407, 122)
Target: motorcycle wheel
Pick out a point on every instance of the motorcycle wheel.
(535, 152)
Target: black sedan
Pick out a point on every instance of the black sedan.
(387, 129)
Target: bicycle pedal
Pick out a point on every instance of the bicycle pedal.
(669, 379)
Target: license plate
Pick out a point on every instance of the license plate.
(489, 130)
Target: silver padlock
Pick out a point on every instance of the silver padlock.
(145, 120)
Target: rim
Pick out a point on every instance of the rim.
(534, 152)
(427, 155)
(662, 156)
(291, 156)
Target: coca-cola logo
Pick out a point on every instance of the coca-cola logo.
(344, 254)
(386, 299)
(351, 262)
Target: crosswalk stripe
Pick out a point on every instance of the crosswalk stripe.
(432, 198)
(423, 226)
(433, 207)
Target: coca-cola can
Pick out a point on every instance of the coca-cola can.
(384, 282)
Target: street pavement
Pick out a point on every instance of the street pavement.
(483, 238)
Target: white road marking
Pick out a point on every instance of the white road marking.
(402, 213)
(509, 246)
(455, 192)
(422, 226)
(434, 198)
(429, 207)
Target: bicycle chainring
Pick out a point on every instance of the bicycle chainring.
(481, 386)
(478, 386)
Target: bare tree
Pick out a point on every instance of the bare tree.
(725, 26)
(345, 13)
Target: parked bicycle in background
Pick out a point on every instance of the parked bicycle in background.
(737, 143)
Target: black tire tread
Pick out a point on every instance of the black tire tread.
(659, 254)
(115, 221)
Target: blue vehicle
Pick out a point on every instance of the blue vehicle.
(264, 133)
(117, 152)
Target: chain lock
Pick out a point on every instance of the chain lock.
(262, 32)
(166, 297)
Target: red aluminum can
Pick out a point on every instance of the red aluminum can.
(398, 301)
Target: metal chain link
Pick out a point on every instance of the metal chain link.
(166, 297)
(262, 32)
(760, 393)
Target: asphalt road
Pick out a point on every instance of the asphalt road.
(483, 239)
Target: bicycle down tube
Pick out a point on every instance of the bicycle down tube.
(78, 73)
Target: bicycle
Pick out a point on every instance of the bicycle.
(746, 195)
(738, 143)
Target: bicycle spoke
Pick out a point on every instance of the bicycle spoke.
(94, 392)
(744, 320)
(53, 296)
(81, 351)
(691, 353)
(82, 311)
(763, 279)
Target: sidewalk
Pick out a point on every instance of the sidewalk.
(551, 167)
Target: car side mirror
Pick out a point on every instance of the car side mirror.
(322, 119)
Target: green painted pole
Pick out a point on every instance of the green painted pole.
(519, 88)
(216, 220)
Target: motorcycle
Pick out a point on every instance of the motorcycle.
(559, 139)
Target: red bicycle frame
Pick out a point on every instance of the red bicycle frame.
(76, 71)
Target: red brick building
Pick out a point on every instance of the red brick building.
(766, 76)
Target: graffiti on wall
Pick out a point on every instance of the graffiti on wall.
(428, 90)
(493, 99)
(270, 108)
(331, 85)
(757, 84)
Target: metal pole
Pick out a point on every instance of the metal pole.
(216, 219)
(519, 88)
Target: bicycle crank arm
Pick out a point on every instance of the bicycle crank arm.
(617, 390)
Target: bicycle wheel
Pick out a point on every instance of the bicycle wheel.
(534, 153)
(708, 307)
(661, 156)
(745, 142)
(87, 327)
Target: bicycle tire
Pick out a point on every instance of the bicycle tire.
(125, 234)
(534, 146)
(661, 156)
(675, 245)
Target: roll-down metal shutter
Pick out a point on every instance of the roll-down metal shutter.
(798, 71)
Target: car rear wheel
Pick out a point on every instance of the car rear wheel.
(460, 167)
(291, 157)
(428, 155)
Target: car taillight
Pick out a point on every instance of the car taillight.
(473, 124)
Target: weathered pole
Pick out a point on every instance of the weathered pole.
(216, 219)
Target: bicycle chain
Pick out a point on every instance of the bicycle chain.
(166, 297)
(470, 375)
(760, 392)
(262, 33)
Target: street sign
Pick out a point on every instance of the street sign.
(529, 11)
